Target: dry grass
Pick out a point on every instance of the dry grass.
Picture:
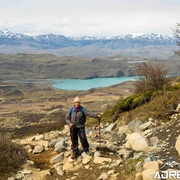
(12, 156)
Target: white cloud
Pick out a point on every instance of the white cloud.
(84, 17)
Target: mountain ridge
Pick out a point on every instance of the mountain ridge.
(83, 45)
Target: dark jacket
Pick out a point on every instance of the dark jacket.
(78, 118)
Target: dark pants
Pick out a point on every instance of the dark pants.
(75, 132)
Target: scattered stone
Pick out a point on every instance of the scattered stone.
(53, 142)
(178, 108)
(57, 158)
(59, 169)
(113, 165)
(87, 166)
(125, 129)
(139, 176)
(103, 176)
(145, 126)
(177, 145)
(148, 174)
(111, 127)
(151, 165)
(134, 125)
(59, 149)
(124, 153)
(67, 166)
(138, 155)
(139, 166)
(154, 141)
(38, 137)
(86, 159)
(100, 160)
(114, 137)
(121, 136)
(112, 147)
(110, 172)
(97, 154)
(38, 149)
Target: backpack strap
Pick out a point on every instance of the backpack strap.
(71, 111)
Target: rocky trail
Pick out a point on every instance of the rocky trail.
(135, 151)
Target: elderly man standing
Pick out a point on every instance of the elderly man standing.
(76, 118)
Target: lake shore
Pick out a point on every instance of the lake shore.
(28, 104)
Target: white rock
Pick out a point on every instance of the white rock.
(124, 153)
(38, 137)
(145, 126)
(38, 149)
(97, 154)
(103, 176)
(86, 159)
(67, 166)
(137, 142)
(111, 172)
(100, 160)
(87, 166)
(154, 141)
(177, 145)
(178, 107)
(111, 127)
(124, 129)
(59, 169)
(148, 174)
(57, 158)
(151, 165)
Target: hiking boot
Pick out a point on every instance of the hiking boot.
(88, 153)
(74, 156)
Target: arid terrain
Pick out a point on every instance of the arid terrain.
(24, 105)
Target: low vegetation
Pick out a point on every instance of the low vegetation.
(12, 156)
(156, 104)
(150, 77)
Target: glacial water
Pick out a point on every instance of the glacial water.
(86, 84)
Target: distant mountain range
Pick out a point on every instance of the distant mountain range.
(150, 45)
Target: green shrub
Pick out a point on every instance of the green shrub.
(129, 103)
(12, 156)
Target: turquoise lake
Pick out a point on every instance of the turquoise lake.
(86, 84)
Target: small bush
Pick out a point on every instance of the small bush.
(12, 156)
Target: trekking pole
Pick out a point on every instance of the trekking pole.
(72, 140)
(99, 135)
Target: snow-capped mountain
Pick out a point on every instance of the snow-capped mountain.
(90, 45)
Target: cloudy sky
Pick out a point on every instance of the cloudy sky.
(89, 17)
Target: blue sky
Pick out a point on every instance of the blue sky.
(89, 17)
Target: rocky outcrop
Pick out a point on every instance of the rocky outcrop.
(135, 142)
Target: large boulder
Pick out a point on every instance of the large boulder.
(177, 146)
(137, 142)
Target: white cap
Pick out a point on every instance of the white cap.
(77, 99)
